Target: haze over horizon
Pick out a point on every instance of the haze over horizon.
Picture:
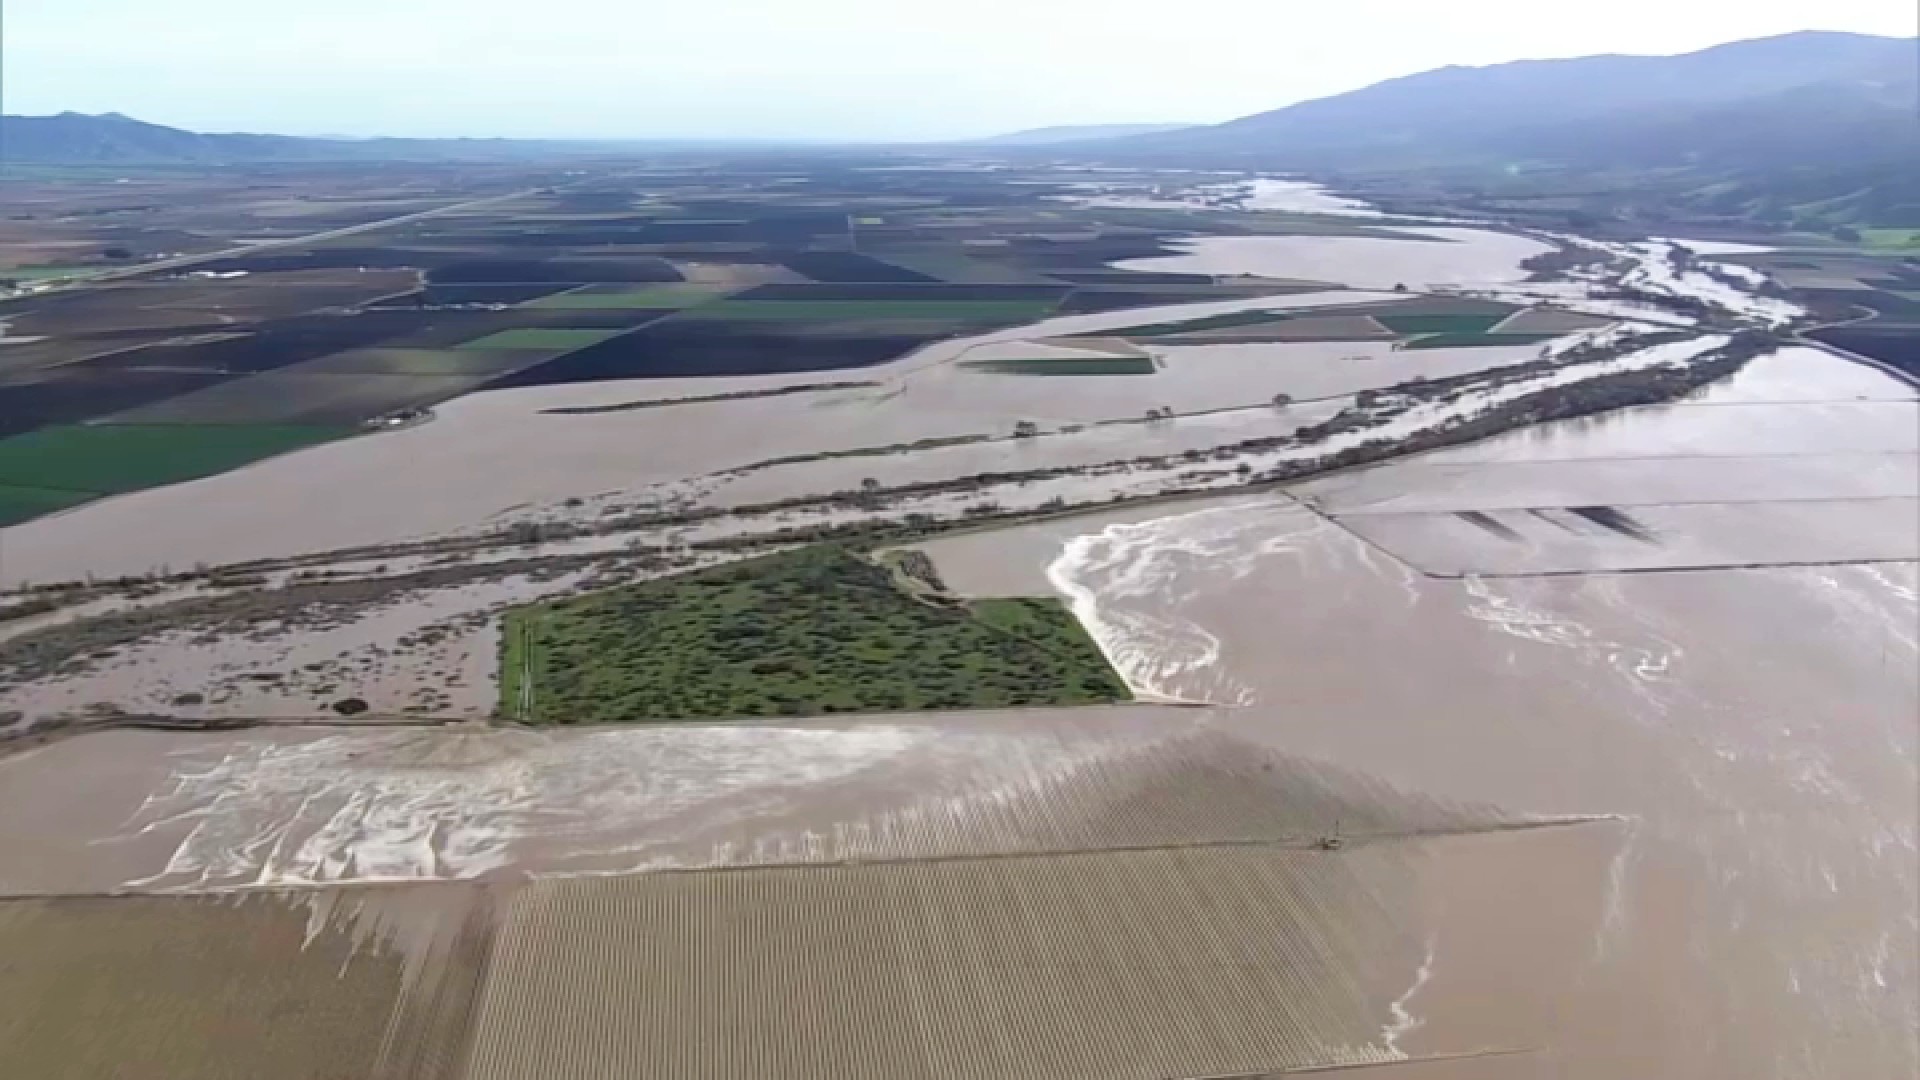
(826, 70)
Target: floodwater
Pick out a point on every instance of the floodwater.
(1802, 457)
(1300, 197)
(1757, 917)
(1429, 258)
(489, 455)
(1753, 732)
(286, 807)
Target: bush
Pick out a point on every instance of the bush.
(352, 706)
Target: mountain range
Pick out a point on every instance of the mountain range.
(1808, 123)
(1810, 127)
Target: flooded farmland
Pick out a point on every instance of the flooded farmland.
(1764, 781)
(1751, 731)
(488, 456)
(1430, 257)
(1585, 750)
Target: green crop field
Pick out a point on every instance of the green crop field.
(1891, 239)
(648, 298)
(1066, 366)
(19, 504)
(815, 631)
(552, 339)
(957, 310)
(1474, 341)
(111, 458)
(1409, 325)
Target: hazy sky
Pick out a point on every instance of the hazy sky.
(861, 69)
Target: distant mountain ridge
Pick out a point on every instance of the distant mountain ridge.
(72, 138)
(111, 138)
(1811, 110)
(1053, 136)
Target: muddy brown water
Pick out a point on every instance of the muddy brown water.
(1757, 916)
(1431, 257)
(1753, 732)
(487, 457)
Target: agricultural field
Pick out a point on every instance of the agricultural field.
(737, 576)
(1872, 304)
(54, 468)
(1899, 240)
(821, 630)
(510, 278)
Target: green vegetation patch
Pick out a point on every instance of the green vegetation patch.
(1475, 341)
(815, 631)
(110, 458)
(649, 298)
(794, 310)
(1891, 239)
(1210, 322)
(18, 504)
(561, 339)
(1408, 325)
(1063, 365)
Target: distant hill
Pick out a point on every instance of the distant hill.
(112, 139)
(1050, 136)
(1776, 124)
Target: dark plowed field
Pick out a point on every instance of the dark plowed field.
(282, 397)
(580, 270)
(683, 349)
(1895, 346)
(1088, 254)
(914, 292)
(1127, 277)
(842, 267)
(1094, 301)
(276, 344)
(68, 396)
(396, 258)
(450, 295)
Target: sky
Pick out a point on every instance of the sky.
(870, 70)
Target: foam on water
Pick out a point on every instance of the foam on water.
(1404, 1023)
(422, 805)
(1163, 657)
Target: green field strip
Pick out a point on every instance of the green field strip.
(114, 458)
(1891, 239)
(559, 339)
(18, 504)
(652, 298)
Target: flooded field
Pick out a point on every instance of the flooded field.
(1429, 257)
(1753, 914)
(369, 983)
(1585, 751)
(1769, 822)
(1801, 458)
(495, 454)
